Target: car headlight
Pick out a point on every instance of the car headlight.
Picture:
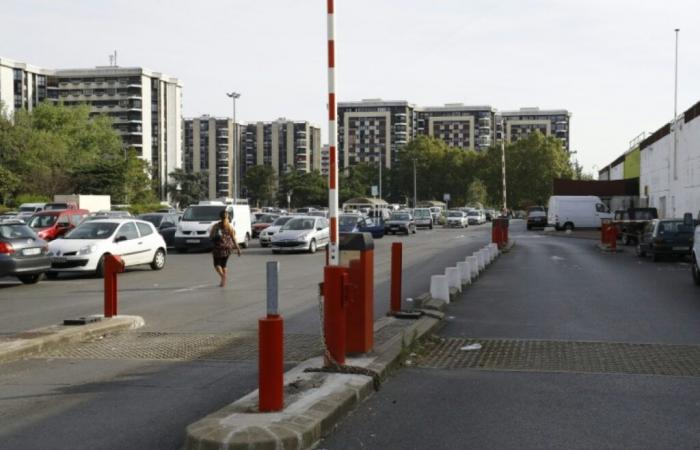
(88, 249)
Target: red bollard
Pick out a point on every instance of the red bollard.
(334, 327)
(396, 272)
(112, 266)
(612, 237)
(271, 363)
(359, 309)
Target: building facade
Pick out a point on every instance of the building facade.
(145, 106)
(372, 130)
(209, 147)
(23, 86)
(465, 127)
(283, 144)
(520, 123)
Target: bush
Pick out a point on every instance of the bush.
(30, 198)
(146, 208)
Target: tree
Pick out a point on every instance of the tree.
(476, 193)
(261, 183)
(307, 188)
(188, 188)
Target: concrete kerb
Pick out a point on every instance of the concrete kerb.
(315, 402)
(473, 266)
(454, 280)
(465, 273)
(440, 288)
(29, 343)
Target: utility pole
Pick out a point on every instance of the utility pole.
(503, 166)
(415, 196)
(233, 96)
(380, 175)
(675, 112)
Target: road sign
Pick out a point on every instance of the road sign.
(446, 197)
(375, 191)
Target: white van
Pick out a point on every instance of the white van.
(194, 227)
(570, 211)
(27, 210)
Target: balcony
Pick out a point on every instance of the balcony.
(485, 122)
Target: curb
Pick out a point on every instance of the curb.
(327, 399)
(32, 342)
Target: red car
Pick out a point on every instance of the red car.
(52, 224)
(263, 222)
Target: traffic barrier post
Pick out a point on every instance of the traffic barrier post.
(271, 348)
(334, 321)
(113, 265)
(396, 272)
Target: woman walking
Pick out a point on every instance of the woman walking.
(224, 237)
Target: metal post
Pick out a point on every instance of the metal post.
(415, 196)
(503, 166)
(272, 290)
(675, 112)
(271, 348)
(236, 167)
(380, 175)
(333, 259)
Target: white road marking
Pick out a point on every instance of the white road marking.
(557, 258)
(190, 289)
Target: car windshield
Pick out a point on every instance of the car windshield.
(16, 231)
(27, 208)
(420, 213)
(155, 219)
(299, 223)
(533, 209)
(674, 227)
(281, 221)
(644, 215)
(473, 213)
(454, 214)
(267, 218)
(347, 221)
(46, 221)
(400, 216)
(52, 206)
(93, 230)
(202, 213)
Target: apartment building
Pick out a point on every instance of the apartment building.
(373, 129)
(146, 108)
(520, 123)
(465, 127)
(209, 146)
(283, 144)
(23, 86)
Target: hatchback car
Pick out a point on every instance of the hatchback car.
(475, 217)
(695, 255)
(267, 233)
(51, 224)
(263, 222)
(400, 222)
(536, 217)
(457, 219)
(357, 223)
(84, 249)
(665, 237)
(22, 253)
(301, 233)
(423, 218)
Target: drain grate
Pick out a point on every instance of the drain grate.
(185, 346)
(562, 356)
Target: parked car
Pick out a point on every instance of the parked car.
(357, 223)
(436, 213)
(51, 224)
(84, 249)
(457, 219)
(400, 222)
(263, 222)
(476, 217)
(536, 217)
(423, 218)
(569, 211)
(267, 233)
(665, 237)
(27, 210)
(23, 254)
(631, 222)
(695, 254)
(8, 215)
(165, 223)
(193, 230)
(301, 233)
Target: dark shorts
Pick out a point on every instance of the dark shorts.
(220, 262)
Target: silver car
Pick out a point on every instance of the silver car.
(301, 233)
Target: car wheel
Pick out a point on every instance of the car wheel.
(696, 272)
(275, 251)
(569, 226)
(246, 241)
(312, 246)
(655, 257)
(51, 275)
(414, 230)
(529, 227)
(100, 271)
(264, 245)
(640, 252)
(158, 260)
(431, 226)
(30, 279)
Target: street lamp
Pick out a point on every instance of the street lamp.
(233, 96)
(415, 196)
(380, 174)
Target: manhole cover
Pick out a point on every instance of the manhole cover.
(182, 346)
(561, 356)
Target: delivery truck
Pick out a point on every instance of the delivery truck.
(92, 203)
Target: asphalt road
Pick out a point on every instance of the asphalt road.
(560, 292)
(145, 402)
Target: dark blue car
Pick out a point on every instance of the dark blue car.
(356, 223)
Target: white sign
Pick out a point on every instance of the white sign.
(375, 191)
(446, 197)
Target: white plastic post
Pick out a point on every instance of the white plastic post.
(487, 254)
(439, 289)
(480, 258)
(454, 280)
(465, 272)
(473, 265)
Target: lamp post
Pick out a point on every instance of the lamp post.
(503, 167)
(233, 96)
(675, 112)
(380, 175)
(415, 196)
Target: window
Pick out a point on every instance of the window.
(144, 229)
(599, 207)
(128, 230)
(76, 218)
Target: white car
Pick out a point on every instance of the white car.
(301, 233)
(83, 249)
(267, 233)
(476, 217)
(457, 219)
(695, 254)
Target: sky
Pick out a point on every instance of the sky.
(609, 62)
